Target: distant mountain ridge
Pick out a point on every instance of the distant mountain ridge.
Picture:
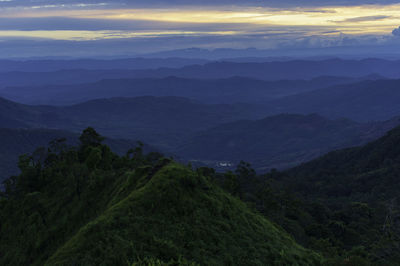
(95, 64)
(364, 101)
(229, 90)
(277, 70)
(206, 133)
(162, 121)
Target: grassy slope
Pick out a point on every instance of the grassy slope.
(178, 214)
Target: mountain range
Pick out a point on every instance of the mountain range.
(276, 70)
(205, 134)
(245, 161)
(49, 65)
(363, 101)
(230, 90)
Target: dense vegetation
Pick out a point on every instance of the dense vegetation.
(86, 205)
(14, 142)
(89, 206)
(343, 205)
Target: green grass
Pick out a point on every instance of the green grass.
(178, 214)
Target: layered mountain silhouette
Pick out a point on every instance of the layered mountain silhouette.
(230, 90)
(279, 141)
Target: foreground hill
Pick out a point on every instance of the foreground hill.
(279, 141)
(344, 205)
(357, 193)
(364, 173)
(90, 207)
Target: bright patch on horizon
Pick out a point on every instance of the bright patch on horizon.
(352, 20)
(105, 34)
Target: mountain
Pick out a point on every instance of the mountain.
(162, 121)
(356, 190)
(207, 134)
(230, 90)
(364, 173)
(364, 101)
(50, 65)
(276, 70)
(344, 204)
(277, 54)
(17, 115)
(278, 141)
(215, 54)
(87, 206)
(294, 69)
(62, 77)
(16, 142)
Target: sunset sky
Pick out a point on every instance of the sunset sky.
(60, 28)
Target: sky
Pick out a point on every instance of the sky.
(89, 28)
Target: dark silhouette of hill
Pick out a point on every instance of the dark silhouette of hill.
(230, 90)
(352, 187)
(344, 204)
(363, 173)
(49, 65)
(162, 121)
(279, 141)
(364, 101)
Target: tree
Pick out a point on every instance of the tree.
(94, 158)
(90, 137)
(231, 183)
(244, 171)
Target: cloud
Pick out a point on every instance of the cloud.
(104, 27)
(365, 19)
(396, 32)
(169, 3)
(292, 43)
(68, 23)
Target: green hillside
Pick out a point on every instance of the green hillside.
(343, 205)
(364, 173)
(88, 206)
